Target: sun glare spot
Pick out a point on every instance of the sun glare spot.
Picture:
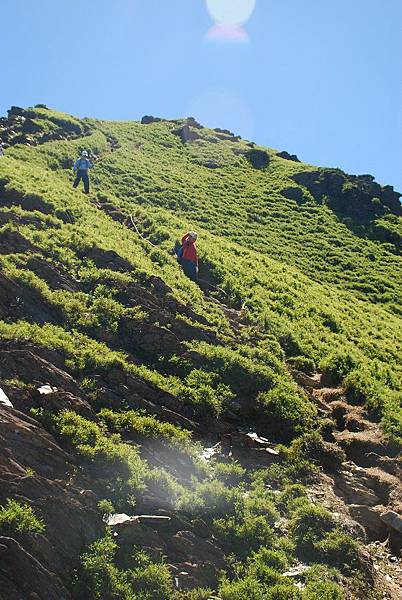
(231, 12)
(229, 16)
(229, 33)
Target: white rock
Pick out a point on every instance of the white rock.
(119, 519)
(46, 389)
(296, 571)
(4, 400)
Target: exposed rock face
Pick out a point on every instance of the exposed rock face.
(393, 521)
(293, 193)
(17, 301)
(32, 563)
(287, 156)
(23, 126)
(186, 133)
(4, 399)
(366, 483)
(259, 159)
(148, 119)
(212, 164)
(350, 195)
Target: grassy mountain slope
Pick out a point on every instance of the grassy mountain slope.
(300, 273)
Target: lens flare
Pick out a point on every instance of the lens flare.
(228, 33)
(231, 12)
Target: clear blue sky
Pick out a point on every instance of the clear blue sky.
(320, 78)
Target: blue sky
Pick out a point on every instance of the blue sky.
(318, 78)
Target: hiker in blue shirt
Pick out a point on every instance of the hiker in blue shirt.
(81, 167)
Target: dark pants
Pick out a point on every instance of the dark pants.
(81, 174)
(190, 269)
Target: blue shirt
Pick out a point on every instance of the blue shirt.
(82, 164)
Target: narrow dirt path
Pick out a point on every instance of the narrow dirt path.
(367, 490)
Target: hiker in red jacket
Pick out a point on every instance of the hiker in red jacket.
(190, 259)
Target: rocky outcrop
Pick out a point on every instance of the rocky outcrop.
(293, 193)
(361, 487)
(32, 127)
(259, 159)
(148, 119)
(393, 521)
(186, 133)
(20, 301)
(358, 197)
(34, 469)
(287, 156)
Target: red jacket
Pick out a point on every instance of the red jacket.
(189, 249)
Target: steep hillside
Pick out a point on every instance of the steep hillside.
(254, 419)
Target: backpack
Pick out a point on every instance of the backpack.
(179, 253)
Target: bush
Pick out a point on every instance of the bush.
(302, 363)
(19, 517)
(197, 594)
(100, 579)
(312, 446)
(123, 469)
(321, 584)
(151, 582)
(143, 426)
(243, 589)
(283, 591)
(291, 497)
(309, 525)
(230, 473)
(210, 498)
(274, 559)
(323, 590)
(106, 507)
(340, 550)
(337, 365)
(285, 411)
(245, 534)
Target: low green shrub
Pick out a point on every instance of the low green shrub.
(19, 517)
(197, 594)
(99, 578)
(151, 581)
(275, 559)
(106, 506)
(143, 426)
(210, 498)
(308, 526)
(230, 473)
(122, 466)
(291, 497)
(302, 363)
(337, 365)
(284, 410)
(339, 550)
(323, 590)
(243, 589)
(313, 447)
(321, 584)
(245, 533)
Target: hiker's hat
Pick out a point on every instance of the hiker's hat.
(84, 153)
(193, 235)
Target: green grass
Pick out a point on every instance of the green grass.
(315, 291)
(306, 280)
(17, 517)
